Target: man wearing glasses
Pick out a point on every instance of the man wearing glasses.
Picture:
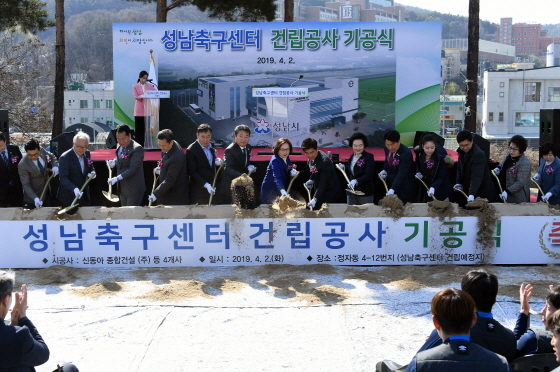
(75, 168)
(33, 173)
(473, 174)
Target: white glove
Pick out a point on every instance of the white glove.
(293, 172)
(312, 203)
(38, 203)
(352, 184)
(210, 189)
(431, 192)
(419, 175)
(284, 193)
(152, 198)
(536, 177)
(341, 166)
(54, 171)
(504, 195)
(158, 169)
(458, 186)
(77, 192)
(113, 180)
(470, 198)
(496, 170)
(112, 163)
(309, 184)
(217, 162)
(383, 174)
(251, 168)
(91, 175)
(390, 192)
(547, 196)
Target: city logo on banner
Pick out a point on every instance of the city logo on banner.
(553, 237)
(262, 126)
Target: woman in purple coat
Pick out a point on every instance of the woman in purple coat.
(277, 177)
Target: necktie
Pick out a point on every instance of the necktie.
(244, 156)
(391, 159)
(5, 159)
(40, 166)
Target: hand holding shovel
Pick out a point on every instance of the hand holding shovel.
(74, 204)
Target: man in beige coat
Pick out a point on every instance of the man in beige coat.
(34, 172)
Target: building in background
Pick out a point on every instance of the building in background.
(345, 11)
(89, 103)
(512, 100)
(490, 55)
(528, 38)
(553, 55)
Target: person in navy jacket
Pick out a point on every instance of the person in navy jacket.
(359, 170)
(433, 170)
(548, 174)
(277, 177)
(453, 316)
(398, 168)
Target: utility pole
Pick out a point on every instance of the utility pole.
(58, 112)
(472, 66)
(288, 10)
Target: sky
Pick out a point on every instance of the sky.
(541, 11)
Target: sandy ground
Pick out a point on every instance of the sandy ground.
(267, 318)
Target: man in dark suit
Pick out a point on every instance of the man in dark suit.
(75, 168)
(33, 173)
(174, 186)
(323, 175)
(11, 194)
(473, 174)
(398, 168)
(21, 345)
(130, 168)
(201, 163)
(236, 161)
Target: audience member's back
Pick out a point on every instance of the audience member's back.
(487, 332)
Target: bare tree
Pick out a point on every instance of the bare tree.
(22, 69)
(229, 10)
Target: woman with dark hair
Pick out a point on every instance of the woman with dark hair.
(359, 170)
(548, 174)
(535, 340)
(432, 168)
(138, 90)
(514, 172)
(277, 177)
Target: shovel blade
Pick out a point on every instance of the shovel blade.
(111, 197)
(67, 209)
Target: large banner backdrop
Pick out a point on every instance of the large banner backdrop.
(365, 77)
(297, 241)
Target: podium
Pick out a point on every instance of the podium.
(151, 116)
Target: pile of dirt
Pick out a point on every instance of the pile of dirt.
(100, 289)
(441, 209)
(58, 275)
(176, 291)
(487, 217)
(243, 192)
(284, 204)
(393, 206)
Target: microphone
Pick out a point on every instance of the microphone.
(300, 77)
(149, 80)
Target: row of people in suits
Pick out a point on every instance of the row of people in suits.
(194, 180)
